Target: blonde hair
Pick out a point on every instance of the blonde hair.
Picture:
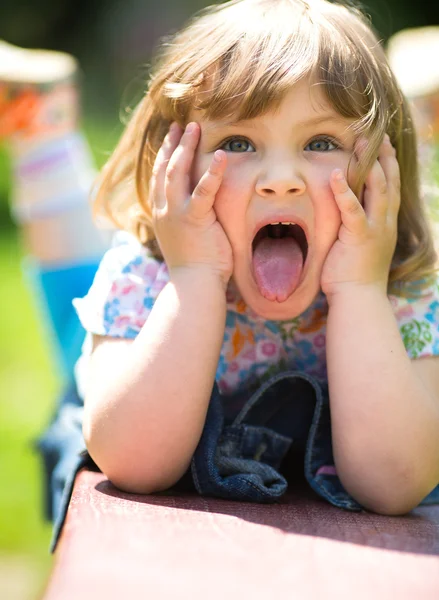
(238, 60)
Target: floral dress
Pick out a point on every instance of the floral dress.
(129, 280)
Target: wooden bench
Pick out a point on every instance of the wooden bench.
(117, 545)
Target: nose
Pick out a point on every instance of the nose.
(280, 176)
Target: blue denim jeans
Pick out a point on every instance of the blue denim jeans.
(243, 456)
(242, 459)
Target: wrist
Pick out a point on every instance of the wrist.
(200, 275)
(349, 293)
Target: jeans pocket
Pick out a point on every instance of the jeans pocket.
(257, 446)
(238, 462)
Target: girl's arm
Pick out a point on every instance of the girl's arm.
(146, 403)
(147, 399)
(384, 410)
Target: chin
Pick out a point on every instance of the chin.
(286, 236)
(292, 307)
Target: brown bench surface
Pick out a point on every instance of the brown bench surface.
(117, 545)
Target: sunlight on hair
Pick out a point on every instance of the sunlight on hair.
(238, 60)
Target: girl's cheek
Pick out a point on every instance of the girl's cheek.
(326, 212)
(199, 167)
(320, 182)
(227, 195)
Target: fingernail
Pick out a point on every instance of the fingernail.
(388, 141)
(171, 133)
(217, 156)
(361, 144)
(338, 174)
(190, 127)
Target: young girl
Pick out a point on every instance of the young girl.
(272, 301)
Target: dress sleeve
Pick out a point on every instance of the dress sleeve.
(124, 290)
(418, 321)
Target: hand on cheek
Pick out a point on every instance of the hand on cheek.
(366, 241)
(184, 219)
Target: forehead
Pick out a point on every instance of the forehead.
(303, 105)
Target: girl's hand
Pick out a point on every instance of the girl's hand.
(184, 221)
(362, 254)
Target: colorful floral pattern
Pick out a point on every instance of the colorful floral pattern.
(129, 280)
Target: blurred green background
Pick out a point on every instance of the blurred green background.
(113, 40)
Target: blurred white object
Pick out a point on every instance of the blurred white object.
(20, 65)
(414, 58)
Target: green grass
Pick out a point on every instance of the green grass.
(27, 391)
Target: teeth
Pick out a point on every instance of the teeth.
(283, 223)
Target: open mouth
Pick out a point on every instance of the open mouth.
(279, 252)
(282, 230)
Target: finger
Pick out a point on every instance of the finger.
(203, 196)
(375, 194)
(157, 184)
(376, 198)
(177, 178)
(352, 213)
(390, 166)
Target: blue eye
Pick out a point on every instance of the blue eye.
(321, 144)
(237, 145)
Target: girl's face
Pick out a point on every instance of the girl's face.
(278, 170)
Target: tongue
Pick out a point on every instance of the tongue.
(277, 266)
